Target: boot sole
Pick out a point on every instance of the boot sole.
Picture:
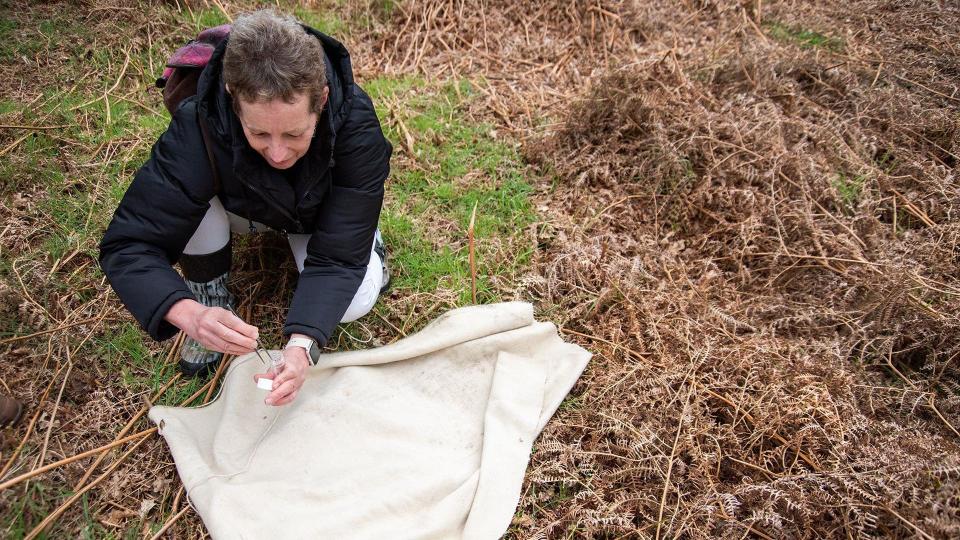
(191, 370)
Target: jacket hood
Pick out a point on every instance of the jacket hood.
(216, 105)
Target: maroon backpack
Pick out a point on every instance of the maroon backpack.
(179, 79)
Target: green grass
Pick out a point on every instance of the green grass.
(7, 27)
(8, 106)
(322, 20)
(460, 164)
(427, 211)
(571, 403)
(38, 501)
(850, 189)
(128, 355)
(19, 40)
(801, 36)
(208, 18)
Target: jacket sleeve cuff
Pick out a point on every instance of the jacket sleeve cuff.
(158, 327)
(315, 333)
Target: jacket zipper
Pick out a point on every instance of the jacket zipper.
(271, 202)
(293, 219)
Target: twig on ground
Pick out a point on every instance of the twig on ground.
(196, 394)
(933, 405)
(216, 376)
(34, 128)
(15, 143)
(223, 10)
(63, 260)
(30, 426)
(175, 348)
(602, 211)
(920, 532)
(76, 496)
(170, 522)
(473, 265)
(754, 26)
(42, 332)
(412, 323)
(927, 88)
(913, 209)
(384, 319)
(66, 461)
(130, 423)
(53, 415)
(629, 351)
(138, 103)
(673, 452)
(123, 71)
(176, 499)
(99, 449)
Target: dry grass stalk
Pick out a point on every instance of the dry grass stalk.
(673, 453)
(169, 523)
(66, 461)
(30, 426)
(100, 449)
(52, 516)
(63, 507)
(473, 264)
(49, 331)
(53, 415)
(227, 358)
(129, 425)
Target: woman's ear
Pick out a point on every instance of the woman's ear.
(323, 97)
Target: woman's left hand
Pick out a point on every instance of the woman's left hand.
(287, 383)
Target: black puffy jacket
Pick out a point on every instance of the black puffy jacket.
(336, 197)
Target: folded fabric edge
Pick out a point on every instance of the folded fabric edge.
(567, 373)
(452, 328)
(510, 426)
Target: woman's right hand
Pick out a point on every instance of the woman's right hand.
(216, 329)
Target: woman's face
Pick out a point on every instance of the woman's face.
(279, 131)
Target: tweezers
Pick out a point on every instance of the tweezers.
(260, 350)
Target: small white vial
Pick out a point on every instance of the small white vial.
(276, 362)
(276, 365)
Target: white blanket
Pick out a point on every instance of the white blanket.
(427, 437)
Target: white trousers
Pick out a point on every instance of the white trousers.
(214, 230)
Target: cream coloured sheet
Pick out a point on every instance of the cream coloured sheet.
(427, 437)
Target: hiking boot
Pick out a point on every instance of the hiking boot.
(195, 359)
(380, 249)
(10, 411)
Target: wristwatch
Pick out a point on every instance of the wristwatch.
(307, 344)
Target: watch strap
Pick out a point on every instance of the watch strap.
(308, 345)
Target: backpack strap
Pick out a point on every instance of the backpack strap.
(208, 145)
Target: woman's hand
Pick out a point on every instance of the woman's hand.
(287, 383)
(215, 328)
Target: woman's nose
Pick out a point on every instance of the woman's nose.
(277, 153)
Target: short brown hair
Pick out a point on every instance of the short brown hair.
(269, 55)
